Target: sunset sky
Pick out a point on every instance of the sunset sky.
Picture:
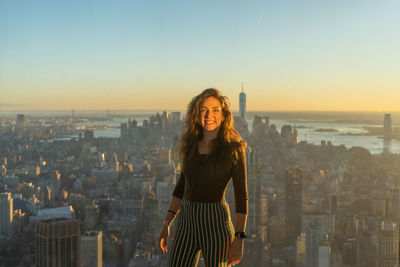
(291, 55)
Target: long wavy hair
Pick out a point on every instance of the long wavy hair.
(228, 144)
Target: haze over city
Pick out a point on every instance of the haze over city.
(291, 55)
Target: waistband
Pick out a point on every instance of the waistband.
(197, 203)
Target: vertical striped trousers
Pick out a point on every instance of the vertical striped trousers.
(205, 227)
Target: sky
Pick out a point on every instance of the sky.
(291, 55)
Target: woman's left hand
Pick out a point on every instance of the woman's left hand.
(235, 253)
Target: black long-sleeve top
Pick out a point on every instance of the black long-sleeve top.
(201, 183)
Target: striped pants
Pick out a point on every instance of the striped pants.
(205, 227)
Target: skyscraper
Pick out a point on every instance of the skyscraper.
(124, 132)
(293, 205)
(58, 243)
(393, 204)
(20, 127)
(6, 215)
(92, 249)
(388, 244)
(387, 127)
(242, 105)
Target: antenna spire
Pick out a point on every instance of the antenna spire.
(242, 86)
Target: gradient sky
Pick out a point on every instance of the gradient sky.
(291, 55)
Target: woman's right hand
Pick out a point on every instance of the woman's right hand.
(163, 237)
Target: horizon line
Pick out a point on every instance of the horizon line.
(183, 110)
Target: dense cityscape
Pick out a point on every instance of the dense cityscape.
(68, 198)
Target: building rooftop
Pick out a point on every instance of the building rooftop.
(61, 212)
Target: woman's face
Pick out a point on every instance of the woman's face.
(211, 114)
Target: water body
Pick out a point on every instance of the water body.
(340, 128)
(340, 133)
(306, 132)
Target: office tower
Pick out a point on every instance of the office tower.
(45, 196)
(387, 127)
(132, 127)
(176, 116)
(88, 136)
(286, 132)
(260, 125)
(242, 104)
(114, 163)
(58, 243)
(349, 252)
(20, 127)
(20, 220)
(252, 186)
(366, 250)
(289, 134)
(388, 244)
(360, 225)
(124, 132)
(393, 204)
(6, 215)
(132, 124)
(175, 120)
(314, 236)
(293, 205)
(262, 217)
(92, 249)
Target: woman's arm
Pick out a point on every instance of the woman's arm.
(236, 248)
(241, 219)
(174, 207)
(239, 177)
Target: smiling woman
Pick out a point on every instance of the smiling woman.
(212, 154)
(211, 114)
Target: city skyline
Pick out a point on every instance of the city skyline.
(76, 197)
(306, 56)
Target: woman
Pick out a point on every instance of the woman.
(212, 153)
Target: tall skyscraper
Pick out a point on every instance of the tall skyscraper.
(6, 215)
(20, 127)
(293, 205)
(393, 204)
(92, 249)
(388, 244)
(387, 127)
(58, 243)
(242, 104)
(124, 132)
